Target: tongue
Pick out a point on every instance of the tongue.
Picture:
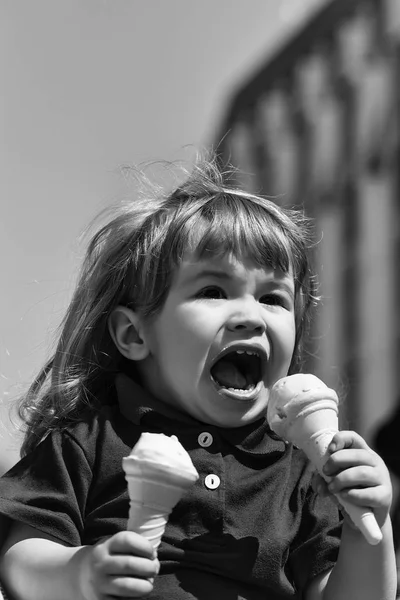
(228, 375)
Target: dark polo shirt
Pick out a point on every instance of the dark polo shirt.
(251, 528)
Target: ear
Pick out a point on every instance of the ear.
(124, 326)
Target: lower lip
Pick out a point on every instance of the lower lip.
(244, 396)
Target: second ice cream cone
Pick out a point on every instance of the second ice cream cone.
(147, 521)
(154, 484)
(320, 416)
(304, 411)
(158, 472)
(316, 447)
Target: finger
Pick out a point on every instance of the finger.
(354, 477)
(347, 439)
(374, 497)
(345, 459)
(133, 566)
(129, 542)
(128, 587)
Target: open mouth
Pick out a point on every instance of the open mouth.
(238, 371)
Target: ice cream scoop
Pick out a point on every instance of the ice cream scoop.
(158, 472)
(304, 411)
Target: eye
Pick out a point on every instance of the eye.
(273, 300)
(212, 292)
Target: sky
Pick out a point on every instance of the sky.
(89, 86)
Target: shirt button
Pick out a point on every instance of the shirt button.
(205, 439)
(212, 482)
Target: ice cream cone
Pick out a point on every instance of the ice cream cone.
(155, 484)
(157, 477)
(316, 447)
(304, 411)
(319, 416)
(148, 523)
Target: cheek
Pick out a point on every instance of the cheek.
(192, 338)
(293, 330)
(179, 336)
(195, 325)
(288, 335)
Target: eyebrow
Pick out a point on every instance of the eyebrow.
(226, 276)
(286, 288)
(217, 274)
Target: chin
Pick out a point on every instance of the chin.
(223, 408)
(231, 419)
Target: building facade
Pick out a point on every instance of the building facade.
(317, 128)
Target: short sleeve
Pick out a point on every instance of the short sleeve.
(48, 488)
(315, 548)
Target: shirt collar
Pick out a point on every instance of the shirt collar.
(135, 403)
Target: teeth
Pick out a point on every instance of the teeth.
(249, 352)
(241, 391)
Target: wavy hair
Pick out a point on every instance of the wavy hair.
(130, 261)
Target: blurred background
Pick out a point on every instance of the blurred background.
(317, 126)
(301, 95)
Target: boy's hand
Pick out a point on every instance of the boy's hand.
(121, 566)
(358, 474)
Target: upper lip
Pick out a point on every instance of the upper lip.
(253, 347)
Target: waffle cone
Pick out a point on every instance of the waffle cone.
(313, 432)
(316, 447)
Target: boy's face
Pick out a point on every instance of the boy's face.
(225, 334)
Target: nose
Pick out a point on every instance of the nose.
(247, 316)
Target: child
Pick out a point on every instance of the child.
(188, 308)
